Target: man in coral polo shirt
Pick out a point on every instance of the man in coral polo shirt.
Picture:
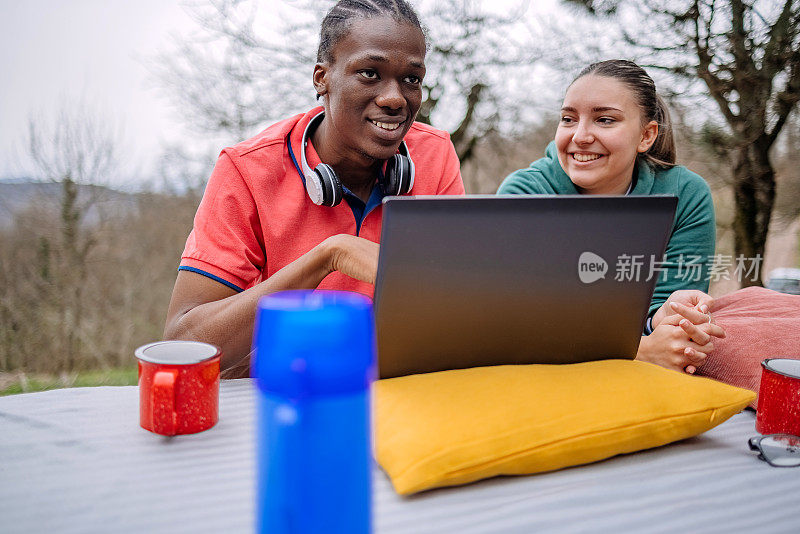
(272, 218)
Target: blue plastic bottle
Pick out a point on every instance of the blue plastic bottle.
(314, 361)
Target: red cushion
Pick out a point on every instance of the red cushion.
(759, 324)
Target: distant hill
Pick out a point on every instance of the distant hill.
(20, 194)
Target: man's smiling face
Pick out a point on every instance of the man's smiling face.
(372, 87)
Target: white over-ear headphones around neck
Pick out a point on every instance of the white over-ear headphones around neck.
(324, 187)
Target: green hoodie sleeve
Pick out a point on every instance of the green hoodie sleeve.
(693, 236)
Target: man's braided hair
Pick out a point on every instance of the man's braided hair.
(337, 22)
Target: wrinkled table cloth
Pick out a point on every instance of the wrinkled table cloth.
(76, 460)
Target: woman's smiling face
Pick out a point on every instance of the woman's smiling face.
(600, 134)
(372, 88)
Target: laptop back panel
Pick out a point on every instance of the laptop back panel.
(474, 281)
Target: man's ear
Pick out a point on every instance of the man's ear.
(649, 135)
(320, 78)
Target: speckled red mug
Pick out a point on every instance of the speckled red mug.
(178, 387)
(779, 397)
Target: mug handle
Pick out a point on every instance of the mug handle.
(163, 414)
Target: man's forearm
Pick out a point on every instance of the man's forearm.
(228, 322)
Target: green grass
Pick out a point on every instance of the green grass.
(22, 383)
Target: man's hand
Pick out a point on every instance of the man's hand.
(354, 256)
(203, 309)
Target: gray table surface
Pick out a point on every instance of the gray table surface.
(75, 460)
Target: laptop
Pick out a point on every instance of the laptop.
(492, 280)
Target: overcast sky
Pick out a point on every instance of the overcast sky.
(56, 50)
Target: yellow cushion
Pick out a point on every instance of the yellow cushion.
(455, 427)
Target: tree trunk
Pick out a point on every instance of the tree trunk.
(754, 190)
(70, 289)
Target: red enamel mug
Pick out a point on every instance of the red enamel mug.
(178, 386)
(779, 397)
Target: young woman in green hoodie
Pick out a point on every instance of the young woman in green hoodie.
(615, 138)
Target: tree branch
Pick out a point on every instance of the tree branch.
(786, 99)
(738, 36)
(460, 133)
(778, 42)
(717, 87)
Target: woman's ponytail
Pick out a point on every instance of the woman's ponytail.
(662, 152)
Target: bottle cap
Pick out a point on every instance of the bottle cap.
(309, 343)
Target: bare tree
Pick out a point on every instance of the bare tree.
(86, 271)
(76, 150)
(747, 55)
(236, 74)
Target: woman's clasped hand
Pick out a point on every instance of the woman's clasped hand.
(683, 332)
